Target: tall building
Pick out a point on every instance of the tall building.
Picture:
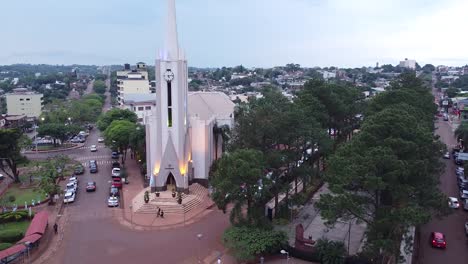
(132, 81)
(181, 144)
(409, 64)
(24, 102)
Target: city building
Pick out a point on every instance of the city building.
(133, 81)
(141, 104)
(24, 102)
(409, 64)
(180, 139)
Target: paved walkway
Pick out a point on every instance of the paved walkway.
(314, 226)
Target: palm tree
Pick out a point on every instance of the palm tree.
(462, 133)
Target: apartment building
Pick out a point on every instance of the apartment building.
(133, 81)
(24, 102)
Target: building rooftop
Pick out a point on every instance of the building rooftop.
(206, 105)
(134, 98)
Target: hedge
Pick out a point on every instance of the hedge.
(5, 245)
(15, 216)
(10, 235)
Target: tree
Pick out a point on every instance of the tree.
(462, 133)
(249, 242)
(331, 252)
(428, 68)
(451, 92)
(237, 179)
(11, 141)
(118, 134)
(115, 114)
(49, 174)
(99, 87)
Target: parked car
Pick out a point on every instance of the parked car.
(447, 155)
(69, 197)
(115, 164)
(466, 228)
(115, 172)
(117, 182)
(453, 203)
(446, 118)
(100, 140)
(93, 148)
(113, 201)
(91, 186)
(72, 186)
(458, 161)
(115, 155)
(79, 169)
(437, 240)
(73, 179)
(114, 191)
(465, 205)
(2, 177)
(464, 194)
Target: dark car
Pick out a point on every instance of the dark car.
(91, 186)
(115, 155)
(114, 191)
(93, 168)
(79, 169)
(115, 164)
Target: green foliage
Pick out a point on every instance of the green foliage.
(118, 134)
(14, 216)
(249, 242)
(462, 133)
(331, 252)
(451, 92)
(387, 175)
(10, 235)
(99, 87)
(5, 245)
(10, 152)
(11, 198)
(115, 114)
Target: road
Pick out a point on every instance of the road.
(453, 225)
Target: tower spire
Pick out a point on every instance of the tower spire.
(172, 42)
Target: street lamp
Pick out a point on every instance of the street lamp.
(199, 237)
(131, 215)
(27, 244)
(284, 252)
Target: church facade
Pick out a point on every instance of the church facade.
(180, 142)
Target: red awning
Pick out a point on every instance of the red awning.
(31, 238)
(11, 251)
(38, 224)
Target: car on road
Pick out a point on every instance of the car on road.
(438, 240)
(447, 155)
(466, 228)
(117, 182)
(2, 177)
(453, 203)
(115, 172)
(73, 179)
(69, 197)
(115, 164)
(114, 191)
(115, 155)
(93, 168)
(72, 186)
(79, 169)
(100, 140)
(464, 194)
(93, 148)
(91, 186)
(113, 201)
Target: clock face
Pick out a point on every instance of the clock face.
(169, 75)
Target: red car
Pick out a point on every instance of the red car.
(117, 182)
(438, 240)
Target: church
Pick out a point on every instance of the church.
(181, 143)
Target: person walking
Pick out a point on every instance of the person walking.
(56, 228)
(159, 212)
(162, 214)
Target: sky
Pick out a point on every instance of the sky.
(254, 33)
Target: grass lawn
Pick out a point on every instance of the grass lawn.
(22, 225)
(22, 195)
(52, 147)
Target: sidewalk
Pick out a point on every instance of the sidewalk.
(314, 225)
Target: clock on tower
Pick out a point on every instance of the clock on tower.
(168, 75)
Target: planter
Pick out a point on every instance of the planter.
(179, 201)
(173, 195)
(157, 194)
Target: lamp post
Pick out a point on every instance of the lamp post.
(199, 237)
(284, 252)
(27, 244)
(131, 214)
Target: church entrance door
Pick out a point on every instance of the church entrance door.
(170, 182)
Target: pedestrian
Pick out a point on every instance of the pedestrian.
(159, 211)
(162, 214)
(55, 228)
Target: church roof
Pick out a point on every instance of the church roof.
(206, 105)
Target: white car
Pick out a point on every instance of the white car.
(453, 203)
(100, 140)
(447, 155)
(113, 201)
(464, 194)
(72, 187)
(73, 179)
(69, 197)
(116, 172)
(93, 148)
